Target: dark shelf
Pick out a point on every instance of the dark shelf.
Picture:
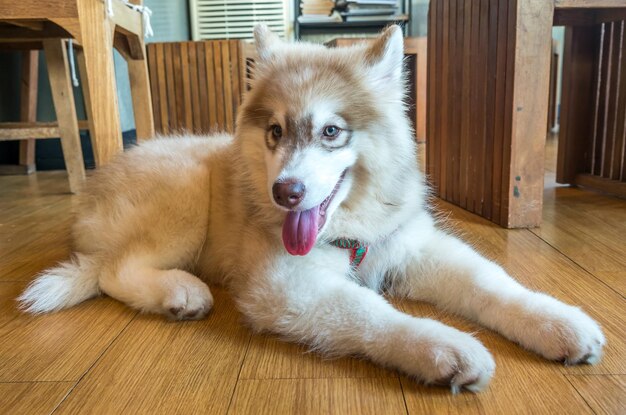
(334, 25)
(368, 26)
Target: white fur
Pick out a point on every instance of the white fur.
(172, 209)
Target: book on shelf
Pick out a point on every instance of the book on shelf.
(375, 18)
(317, 7)
(366, 12)
(318, 18)
(371, 2)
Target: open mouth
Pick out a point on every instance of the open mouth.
(301, 227)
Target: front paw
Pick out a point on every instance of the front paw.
(452, 358)
(564, 333)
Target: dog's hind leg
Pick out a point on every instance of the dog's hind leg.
(172, 292)
(450, 274)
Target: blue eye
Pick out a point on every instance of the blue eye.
(277, 131)
(331, 131)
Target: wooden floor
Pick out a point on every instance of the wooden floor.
(103, 358)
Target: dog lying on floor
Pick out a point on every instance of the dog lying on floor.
(311, 209)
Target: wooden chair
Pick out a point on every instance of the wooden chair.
(196, 86)
(31, 24)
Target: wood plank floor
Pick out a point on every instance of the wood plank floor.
(103, 358)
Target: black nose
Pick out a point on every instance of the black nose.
(288, 193)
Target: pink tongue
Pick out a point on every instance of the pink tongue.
(300, 231)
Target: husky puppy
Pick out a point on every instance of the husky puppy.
(306, 214)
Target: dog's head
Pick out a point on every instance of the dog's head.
(314, 118)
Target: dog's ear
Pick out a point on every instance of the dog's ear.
(265, 41)
(385, 55)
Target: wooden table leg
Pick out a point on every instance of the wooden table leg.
(486, 122)
(142, 100)
(97, 42)
(63, 97)
(523, 188)
(28, 106)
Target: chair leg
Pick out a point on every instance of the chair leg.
(28, 106)
(84, 84)
(97, 43)
(63, 97)
(142, 100)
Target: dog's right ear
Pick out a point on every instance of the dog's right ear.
(265, 41)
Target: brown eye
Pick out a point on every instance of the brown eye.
(277, 131)
(331, 131)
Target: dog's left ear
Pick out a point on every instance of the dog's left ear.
(385, 56)
(265, 41)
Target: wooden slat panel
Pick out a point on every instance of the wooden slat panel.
(593, 120)
(577, 102)
(196, 85)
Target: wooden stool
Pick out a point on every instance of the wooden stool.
(31, 24)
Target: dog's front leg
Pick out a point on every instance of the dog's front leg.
(450, 274)
(335, 316)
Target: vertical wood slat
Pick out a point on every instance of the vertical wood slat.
(185, 57)
(195, 90)
(457, 67)
(226, 73)
(219, 81)
(209, 61)
(465, 115)
(203, 86)
(499, 127)
(618, 165)
(168, 56)
(196, 86)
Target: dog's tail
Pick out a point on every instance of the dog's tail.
(65, 285)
